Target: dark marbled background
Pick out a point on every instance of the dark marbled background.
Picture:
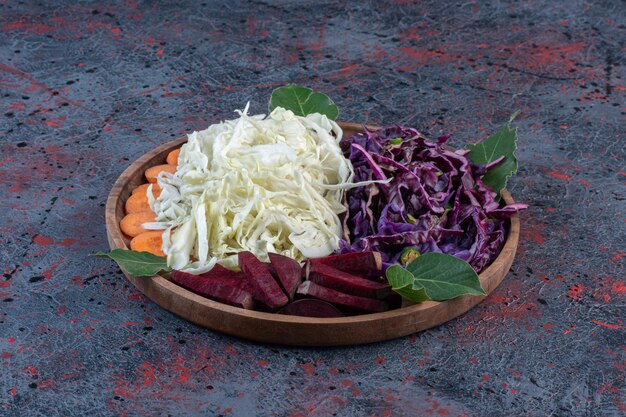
(88, 87)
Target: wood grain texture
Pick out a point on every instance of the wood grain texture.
(292, 330)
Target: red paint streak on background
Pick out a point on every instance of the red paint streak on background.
(568, 331)
(619, 255)
(309, 368)
(67, 242)
(575, 291)
(619, 288)
(89, 327)
(32, 371)
(608, 325)
(559, 175)
(32, 27)
(541, 56)
(58, 122)
(533, 231)
(42, 240)
(423, 56)
(46, 383)
(47, 274)
(146, 372)
(608, 387)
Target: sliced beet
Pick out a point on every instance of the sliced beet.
(367, 264)
(288, 271)
(225, 275)
(265, 289)
(394, 300)
(219, 271)
(219, 290)
(311, 308)
(342, 281)
(311, 289)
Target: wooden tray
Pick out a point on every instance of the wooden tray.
(292, 330)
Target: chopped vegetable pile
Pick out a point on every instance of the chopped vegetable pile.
(284, 214)
(435, 201)
(260, 184)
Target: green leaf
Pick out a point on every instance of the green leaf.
(396, 141)
(139, 264)
(303, 101)
(403, 282)
(445, 276)
(502, 143)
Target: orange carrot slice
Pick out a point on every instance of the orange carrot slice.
(143, 188)
(172, 157)
(152, 172)
(151, 241)
(137, 202)
(132, 223)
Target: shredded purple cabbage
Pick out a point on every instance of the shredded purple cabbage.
(435, 202)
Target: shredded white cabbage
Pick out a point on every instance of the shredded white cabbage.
(261, 184)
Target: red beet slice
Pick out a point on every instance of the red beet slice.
(288, 271)
(359, 263)
(311, 308)
(265, 288)
(219, 271)
(221, 291)
(311, 289)
(342, 281)
(225, 275)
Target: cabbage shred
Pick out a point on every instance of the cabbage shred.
(256, 183)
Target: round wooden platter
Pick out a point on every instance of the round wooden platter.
(292, 330)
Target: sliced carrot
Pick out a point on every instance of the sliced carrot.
(137, 202)
(152, 172)
(132, 223)
(143, 188)
(172, 157)
(151, 241)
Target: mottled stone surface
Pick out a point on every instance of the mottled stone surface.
(87, 88)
